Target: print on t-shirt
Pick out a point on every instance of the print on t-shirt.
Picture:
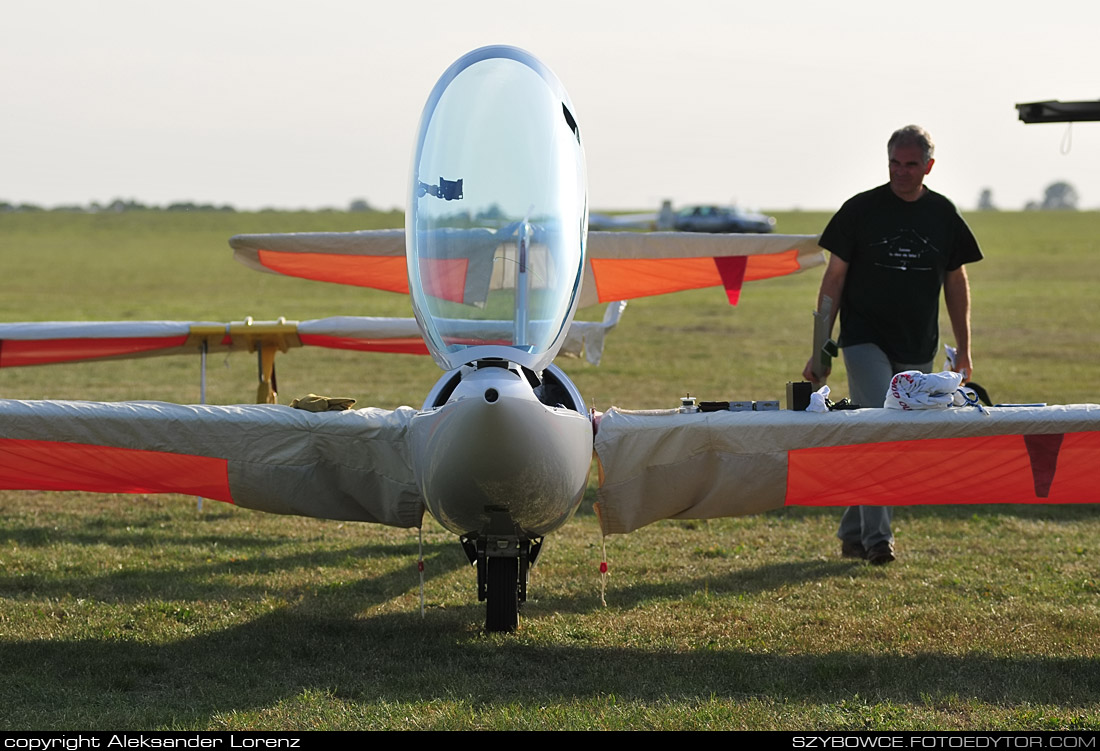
(907, 250)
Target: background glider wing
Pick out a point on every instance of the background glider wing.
(371, 258)
(352, 465)
(403, 334)
(46, 343)
(71, 341)
(621, 265)
(68, 341)
(376, 259)
(625, 265)
(667, 465)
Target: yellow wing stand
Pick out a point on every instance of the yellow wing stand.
(265, 338)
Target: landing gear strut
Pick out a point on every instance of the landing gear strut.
(503, 568)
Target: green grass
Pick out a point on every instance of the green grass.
(135, 612)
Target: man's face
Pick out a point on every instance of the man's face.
(907, 171)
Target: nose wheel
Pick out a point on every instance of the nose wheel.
(502, 594)
(503, 568)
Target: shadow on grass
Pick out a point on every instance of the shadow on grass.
(404, 659)
(747, 581)
(330, 642)
(1056, 512)
(207, 580)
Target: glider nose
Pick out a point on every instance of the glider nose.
(494, 446)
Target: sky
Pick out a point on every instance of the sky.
(776, 105)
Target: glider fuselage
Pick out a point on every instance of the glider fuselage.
(496, 229)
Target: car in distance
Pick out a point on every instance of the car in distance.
(721, 219)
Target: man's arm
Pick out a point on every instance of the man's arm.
(832, 284)
(956, 293)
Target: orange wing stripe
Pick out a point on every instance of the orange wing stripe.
(771, 265)
(628, 278)
(408, 345)
(376, 272)
(18, 352)
(53, 465)
(446, 278)
(997, 469)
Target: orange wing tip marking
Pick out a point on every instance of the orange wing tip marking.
(996, 469)
(53, 465)
(772, 265)
(628, 278)
(445, 279)
(399, 345)
(19, 353)
(387, 273)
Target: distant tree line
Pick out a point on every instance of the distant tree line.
(119, 205)
(1059, 196)
(116, 206)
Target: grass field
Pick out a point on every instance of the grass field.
(142, 612)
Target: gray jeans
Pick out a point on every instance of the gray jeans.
(869, 375)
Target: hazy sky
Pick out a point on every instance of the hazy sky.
(774, 105)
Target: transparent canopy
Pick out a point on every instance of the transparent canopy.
(497, 214)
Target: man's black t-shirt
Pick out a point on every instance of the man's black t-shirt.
(898, 253)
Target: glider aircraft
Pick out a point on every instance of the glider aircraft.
(496, 257)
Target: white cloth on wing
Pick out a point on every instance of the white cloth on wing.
(912, 389)
(817, 400)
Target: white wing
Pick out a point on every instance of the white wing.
(666, 465)
(351, 465)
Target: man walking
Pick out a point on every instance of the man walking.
(892, 250)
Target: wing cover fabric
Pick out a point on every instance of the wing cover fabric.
(621, 265)
(589, 336)
(667, 465)
(625, 265)
(351, 465)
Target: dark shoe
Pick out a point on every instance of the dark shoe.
(880, 554)
(852, 549)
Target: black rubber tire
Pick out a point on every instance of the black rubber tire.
(502, 594)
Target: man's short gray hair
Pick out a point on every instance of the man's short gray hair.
(912, 135)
